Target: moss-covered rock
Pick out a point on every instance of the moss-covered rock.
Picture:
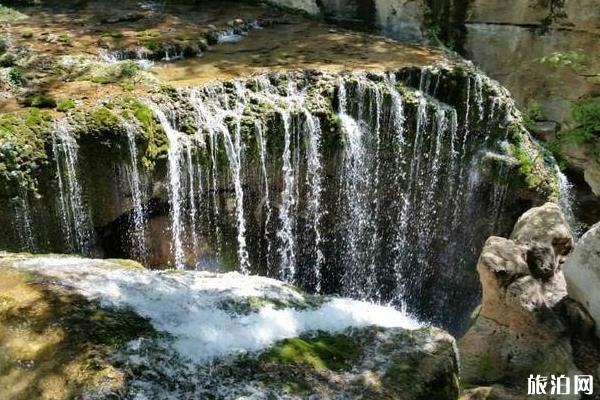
(55, 344)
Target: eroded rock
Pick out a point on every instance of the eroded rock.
(520, 329)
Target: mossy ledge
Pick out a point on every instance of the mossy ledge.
(55, 344)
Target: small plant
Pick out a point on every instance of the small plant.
(129, 69)
(15, 76)
(113, 34)
(532, 114)
(41, 101)
(102, 80)
(65, 105)
(64, 38)
(7, 60)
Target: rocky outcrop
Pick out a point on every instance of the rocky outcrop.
(582, 272)
(195, 335)
(553, 43)
(519, 329)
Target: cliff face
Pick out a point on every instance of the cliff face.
(534, 48)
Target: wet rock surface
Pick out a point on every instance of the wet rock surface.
(123, 354)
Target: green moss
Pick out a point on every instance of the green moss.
(65, 105)
(23, 137)
(113, 34)
(103, 80)
(41, 100)
(488, 369)
(8, 14)
(7, 60)
(526, 166)
(532, 114)
(103, 119)
(324, 351)
(129, 69)
(156, 141)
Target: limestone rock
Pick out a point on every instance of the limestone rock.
(519, 329)
(546, 225)
(195, 334)
(582, 272)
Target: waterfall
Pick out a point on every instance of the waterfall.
(267, 201)
(314, 181)
(193, 211)
(75, 220)
(565, 201)
(377, 201)
(354, 176)
(175, 167)
(23, 223)
(138, 229)
(287, 250)
(234, 153)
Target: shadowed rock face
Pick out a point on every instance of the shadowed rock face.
(526, 322)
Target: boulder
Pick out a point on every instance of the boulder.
(188, 334)
(582, 273)
(520, 329)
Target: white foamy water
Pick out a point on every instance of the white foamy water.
(186, 305)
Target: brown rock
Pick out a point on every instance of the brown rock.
(518, 330)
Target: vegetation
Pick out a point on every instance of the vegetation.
(8, 14)
(22, 149)
(324, 351)
(15, 76)
(585, 133)
(56, 344)
(532, 114)
(65, 105)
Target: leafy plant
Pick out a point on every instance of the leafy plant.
(15, 76)
(532, 114)
(129, 69)
(65, 105)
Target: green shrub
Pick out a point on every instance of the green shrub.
(7, 60)
(532, 114)
(129, 69)
(41, 101)
(15, 76)
(65, 105)
(102, 80)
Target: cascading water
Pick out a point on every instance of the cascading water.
(314, 182)
(175, 162)
(378, 199)
(565, 201)
(74, 216)
(137, 232)
(23, 223)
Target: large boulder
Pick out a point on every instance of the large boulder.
(582, 272)
(520, 329)
(72, 327)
